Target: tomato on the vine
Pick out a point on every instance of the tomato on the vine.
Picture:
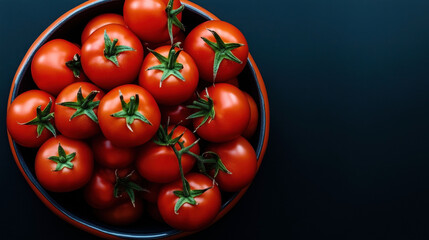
(254, 117)
(109, 187)
(169, 74)
(30, 118)
(190, 217)
(154, 21)
(223, 113)
(157, 162)
(63, 164)
(112, 56)
(129, 116)
(108, 155)
(55, 65)
(76, 110)
(239, 158)
(219, 49)
(100, 21)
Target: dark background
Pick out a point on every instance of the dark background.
(348, 88)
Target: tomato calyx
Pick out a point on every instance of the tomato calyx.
(111, 51)
(83, 105)
(129, 111)
(169, 66)
(165, 139)
(63, 160)
(213, 161)
(205, 107)
(222, 51)
(172, 18)
(124, 184)
(42, 119)
(75, 65)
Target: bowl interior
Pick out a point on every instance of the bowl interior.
(72, 204)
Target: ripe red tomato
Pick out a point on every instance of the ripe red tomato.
(190, 217)
(156, 13)
(230, 50)
(24, 124)
(56, 60)
(109, 187)
(76, 108)
(159, 164)
(134, 125)
(100, 21)
(106, 63)
(239, 158)
(63, 164)
(170, 75)
(254, 117)
(178, 114)
(227, 113)
(111, 156)
(122, 214)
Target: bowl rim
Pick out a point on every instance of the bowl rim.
(81, 223)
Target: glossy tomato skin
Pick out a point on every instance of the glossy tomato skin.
(99, 192)
(137, 12)
(190, 217)
(100, 21)
(82, 126)
(115, 129)
(159, 164)
(67, 179)
(254, 117)
(23, 109)
(232, 114)
(203, 54)
(49, 66)
(108, 155)
(121, 214)
(103, 72)
(177, 114)
(173, 91)
(239, 158)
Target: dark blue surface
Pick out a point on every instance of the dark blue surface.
(348, 83)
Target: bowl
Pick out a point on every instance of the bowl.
(71, 206)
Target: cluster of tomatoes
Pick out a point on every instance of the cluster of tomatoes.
(126, 125)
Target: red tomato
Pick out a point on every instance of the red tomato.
(174, 77)
(23, 110)
(111, 156)
(232, 44)
(107, 65)
(100, 191)
(56, 60)
(63, 164)
(239, 158)
(76, 117)
(229, 113)
(233, 81)
(137, 12)
(190, 217)
(134, 131)
(122, 214)
(100, 21)
(177, 114)
(159, 164)
(254, 117)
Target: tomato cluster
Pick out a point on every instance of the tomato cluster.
(123, 115)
